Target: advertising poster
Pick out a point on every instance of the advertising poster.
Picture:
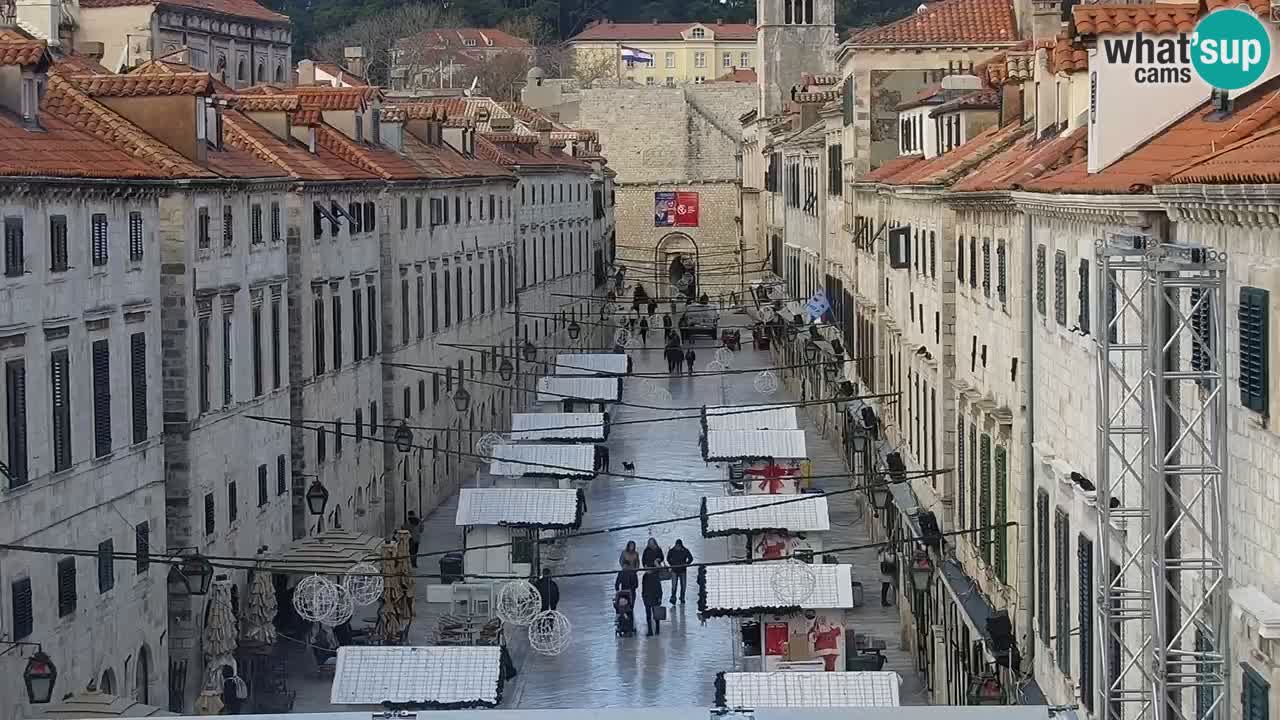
(675, 209)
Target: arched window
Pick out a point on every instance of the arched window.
(808, 12)
(142, 676)
(242, 71)
(279, 73)
(108, 684)
(261, 73)
(220, 70)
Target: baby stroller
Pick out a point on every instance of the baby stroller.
(625, 623)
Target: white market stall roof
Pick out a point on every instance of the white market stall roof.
(328, 553)
(591, 364)
(94, 704)
(734, 514)
(520, 507)
(751, 417)
(809, 689)
(754, 444)
(579, 387)
(548, 460)
(557, 426)
(435, 676)
(744, 590)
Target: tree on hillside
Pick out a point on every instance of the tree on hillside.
(379, 34)
(502, 77)
(590, 66)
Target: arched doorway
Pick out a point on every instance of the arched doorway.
(108, 684)
(142, 677)
(675, 266)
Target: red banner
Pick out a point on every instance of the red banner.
(686, 209)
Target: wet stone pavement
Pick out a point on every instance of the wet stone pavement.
(677, 667)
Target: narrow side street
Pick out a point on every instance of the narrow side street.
(678, 667)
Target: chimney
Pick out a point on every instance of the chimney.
(92, 50)
(355, 59)
(40, 18)
(306, 72)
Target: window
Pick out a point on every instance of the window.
(933, 254)
(1002, 274)
(357, 324)
(275, 337)
(372, 307)
(142, 547)
(228, 227)
(973, 262)
(23, 608)
(58, 243)
(649, 80)
(275, 222)
(262, 485)
(698, 33)
(373, 420)
(960, 473)
(1254, 695)
(59, 369)
(135, 237)
(457, 288)
(337, 437)
(210, 521)
(1000, 461)
(726, 60)
(671, 81)
(66, 586)
(448, 300)
(1040, 279)
(1062, 552)
(670, 62)
(202, 350)
(202, 228)
(984, 496)
(282, 484)
(359, 425)
(1083, 319)
(422, 395)
(421, 303)
(317, 332)
(370, 216)
(138, 384)
(15, 380)
(1253, 318)
(404, 213)
(744, 60)
(98, 239)
(404, 311)
(233, 502)
(1201, 312)
(13, 251)
(700, 59)
(1060, 287)
(226, 353)
(106, 566)
(986, 267)
(1084, 553)
(960, 259)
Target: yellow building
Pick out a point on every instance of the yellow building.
(680, 52)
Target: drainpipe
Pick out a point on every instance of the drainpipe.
(1026, 522)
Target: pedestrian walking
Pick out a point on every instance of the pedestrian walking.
(652, 553)
(653, 307)
(679, 558)
(888, 574)
(689, 357)
(234, 691)
(673, 359)
(666, 322)
(549, 590)
(651, 594)
(629, 558)
(414, 525)
(626, 582)
(602, 458)
(644, 331)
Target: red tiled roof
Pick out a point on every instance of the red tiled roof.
(1261, 8)
(170, 67)
(1024, 161)
(380, 161)
(740, 75)
(480, 38)
(232, 162)
(510, 149)
(443, 161)
(268, 103)
(892, 169)
(76, 64)
(286, 154)
(18, 48)
(1192, 137)
(1154, 18)
(1066, 56)
(639, 32)
(247, 9)
(976, 100)
(949, 167)
(325, 97)
(947, 23)
(145, 85)
(61, 150)
(525, 114)
(1256, 159)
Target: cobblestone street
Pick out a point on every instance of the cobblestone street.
(679, 666)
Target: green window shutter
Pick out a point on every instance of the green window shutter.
(1253, 695)
(1253, 320)
(1001, 462)
(984, 474)
(1042, 555)
(1084, 552)
(960, 465)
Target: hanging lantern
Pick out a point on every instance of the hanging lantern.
(574, 330)
(404, 437)
(191, 576)
(921, 570)
(40, 676)
(985, 690)
(506, 370)
(462, 400)
(530, 351)
(317, 497)
(880, 496)
(831, 370)
(810, 353)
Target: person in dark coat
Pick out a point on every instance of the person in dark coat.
(689, 357)
(652, 554)
(673, 362)
(651, 594)
(230, 699)
(666, 322)
(627, 581)
(414, 526)
(653, 307)
(549, 590)
(602, 458)
(644, 330)
(679, 558)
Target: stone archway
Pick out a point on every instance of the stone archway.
(676, 254)
(142, 676)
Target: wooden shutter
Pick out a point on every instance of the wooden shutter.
(1083, 319)
(228, 381)
(336, 302)
(421, 303)
(233, 502)
(66, 586)
(101, 398)
(1254, 337)
(262, 485)
(357, 324)
(135, 236)
(98, 239)
(142, 546)
(404, 213)
(984, 475)
(58, 243)
(275, 222)
(317, 331)
(15, 380)
(1002, 272)
(370, 217)
(59, 366)
(275, 337)
(1001, 463)
(1201, 341)
(14, 254)
(960, 474)
(986, 267)
(228, 226)
(106, 565)
(404, 310)
(255, 224)
(202, 349)
(1060, 287)
(1062, 629)
(1254, 695)
(255, 347)
(1043, 609)
(281, 485)
(1084, 552)
(138, 385)
(23, 608)
(210, 520)
(371, 305)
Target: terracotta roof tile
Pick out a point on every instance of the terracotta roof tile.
(1261, 8)
(638, 32)
(1066, 56)
(974, 100)
(443, 161)
(143, 85)
(509, 149)
(271, 103)
(1154, 18)
(234, 8)
(287, 154)
(740, 75)
(1197, 134)
(950, 167)
(947, 23)
(232, 162)
(306, 118)
(380, 161)
(1256, 159)
(325, 97)
(18, 48)
(76, 64)
(61, 150)
(1024, 161)
(170, 67)
(892, 169)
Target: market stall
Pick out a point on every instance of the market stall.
(501, 527)
(592, 364)
(807, 689)
(428, 677)
(772, 531)
(573, 391)
(542, 464)
(772, 462)
(559, 427)
(750, 417)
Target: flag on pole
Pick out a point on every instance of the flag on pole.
(633, 55)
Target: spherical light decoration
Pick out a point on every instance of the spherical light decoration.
(518, 602)
(793, 582)
(487, 443)
(549, 632)
(364, 582)
(766, 382)
(715, 366)
(342, 610)
(724, 356)
(621, 336)
(315, 598)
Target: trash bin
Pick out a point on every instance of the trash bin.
(451, 568)
(857, 594)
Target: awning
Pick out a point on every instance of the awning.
(558, 426)
(331, 552)
(437, 677)
(808, 689)
(94, 704)
(966, 594)
(581, 388)
(548, 460)
(520, 507)
(750, 417)
(591, 364)
(721, 445)
(905, 498)
(745, 590)
(737, 514)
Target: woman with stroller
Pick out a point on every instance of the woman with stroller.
(624, 614)
(651, 594)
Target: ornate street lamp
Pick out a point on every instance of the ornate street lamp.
(880, 496)
(462, 400)
(574, 330)
(506, 370)
(831, 370)
(810, 353)
(921, 570)
(40, 676)
(845, 391)
(191, 576)
(404, 437)
(529, 350)
(317, 497)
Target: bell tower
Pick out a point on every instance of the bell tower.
(792, 37)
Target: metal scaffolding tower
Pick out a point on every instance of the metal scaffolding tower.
(1160, 564)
